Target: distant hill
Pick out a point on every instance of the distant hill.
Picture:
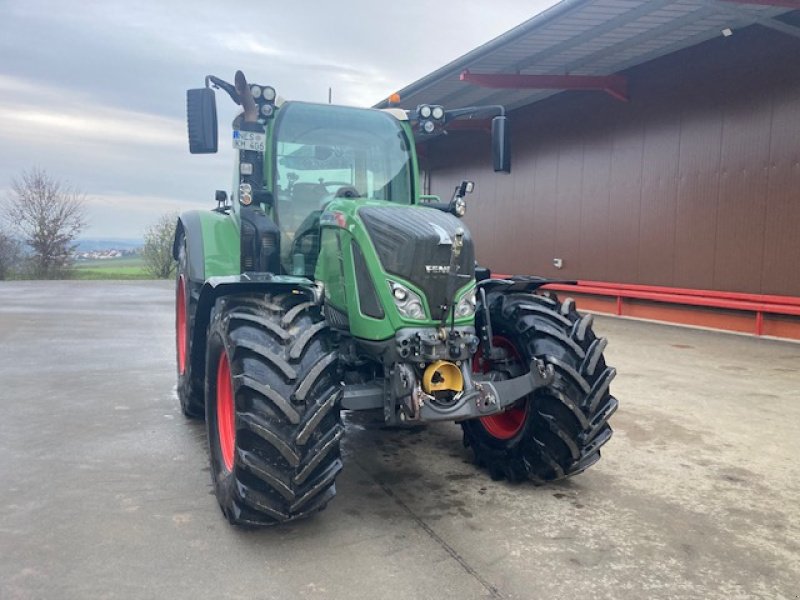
(99, 244)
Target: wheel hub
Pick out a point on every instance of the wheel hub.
(505, 425)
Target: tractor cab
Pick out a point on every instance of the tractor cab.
(322, 152)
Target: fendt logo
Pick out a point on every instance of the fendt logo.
(441, 269)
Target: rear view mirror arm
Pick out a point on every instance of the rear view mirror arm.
(472, 111)
(224, 85)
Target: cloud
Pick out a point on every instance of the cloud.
(94, 92)
(138, 203)
(98, 147)
(123, 215)
(247, 44)
(36, 110)
(118, 214)
(107, 126)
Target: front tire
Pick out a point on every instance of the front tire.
(556, 432)
(272, 412)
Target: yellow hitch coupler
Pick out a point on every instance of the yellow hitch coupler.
(442, 375)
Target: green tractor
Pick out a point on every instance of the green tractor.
(328, 281)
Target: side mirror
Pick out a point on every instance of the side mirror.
(501, 145)
(201, 118)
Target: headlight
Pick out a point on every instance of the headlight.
(408, 304)
(255, 91)
(425, 111)
(245, 193)
(428, 126)
(437, 112)
(460, 207)
(466, 306)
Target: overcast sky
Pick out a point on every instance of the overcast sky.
(94, 92)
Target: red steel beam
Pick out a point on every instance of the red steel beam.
(795, 4)
(710, 302)
(785, 305)
(614, 85)
(759, 305)
(762, 298)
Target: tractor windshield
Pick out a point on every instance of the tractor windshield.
(323, 152)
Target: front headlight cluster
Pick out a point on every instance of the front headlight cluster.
(466, 306)
(408, 303)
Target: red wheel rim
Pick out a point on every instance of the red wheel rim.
(505, 425)
(180, 324)
(226, 428)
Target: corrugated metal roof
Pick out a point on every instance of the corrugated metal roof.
(586, 37)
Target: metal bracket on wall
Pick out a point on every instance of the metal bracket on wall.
(737, 8)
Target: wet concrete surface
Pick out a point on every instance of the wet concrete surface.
(105, 491)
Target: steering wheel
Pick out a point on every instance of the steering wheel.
(347, 191)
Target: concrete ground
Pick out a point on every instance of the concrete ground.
(105, 491)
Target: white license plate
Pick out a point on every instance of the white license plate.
(249, 140)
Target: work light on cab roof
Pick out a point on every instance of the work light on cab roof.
(430, 118)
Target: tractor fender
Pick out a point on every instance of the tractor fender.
(217, 287)
(212, 244)
(518, 283)
(190, 227)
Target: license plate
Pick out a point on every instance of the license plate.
(249, 140)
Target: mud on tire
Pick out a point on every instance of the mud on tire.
(559, 429)
(283, 457)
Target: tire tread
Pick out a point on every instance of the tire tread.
(566, 422)
(286, 391)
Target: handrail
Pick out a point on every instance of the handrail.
(677, 298)
(758, 304)
(765, 298)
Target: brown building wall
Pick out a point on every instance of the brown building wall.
(693, 183)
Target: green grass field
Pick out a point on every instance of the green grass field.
(129, 267)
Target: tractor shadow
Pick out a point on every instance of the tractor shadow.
(401, 476)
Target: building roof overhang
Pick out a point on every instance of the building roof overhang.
(578, 44)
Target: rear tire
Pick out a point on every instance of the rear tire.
(273, 417)
(190, 388)
(556, 432)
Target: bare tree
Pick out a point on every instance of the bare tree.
(158, 261)
(48, 216)
(10, 255)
